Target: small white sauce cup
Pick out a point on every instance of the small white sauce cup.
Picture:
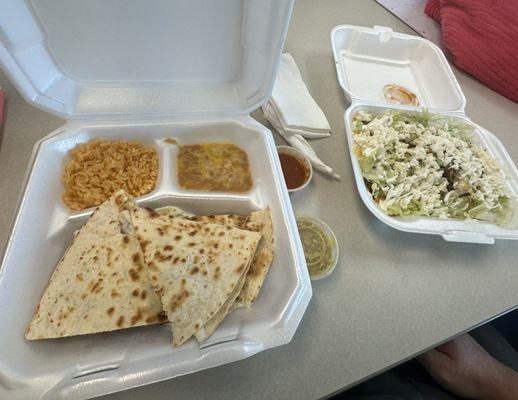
(334, 244)
(292, 151)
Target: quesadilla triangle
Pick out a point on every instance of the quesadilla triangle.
(194, 267)
(100, 284)
(212, 324)
(257, 221)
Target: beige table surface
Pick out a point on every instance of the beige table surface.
(392, 294)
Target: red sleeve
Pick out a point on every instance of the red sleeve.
(482, 37)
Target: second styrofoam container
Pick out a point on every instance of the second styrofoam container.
(366, 60)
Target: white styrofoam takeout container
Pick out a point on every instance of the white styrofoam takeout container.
(366, 60)
(187, 69)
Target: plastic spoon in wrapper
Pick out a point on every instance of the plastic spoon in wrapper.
(299, 143)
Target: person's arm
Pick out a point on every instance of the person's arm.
(463, 367)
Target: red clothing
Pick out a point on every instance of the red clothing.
(482, 37)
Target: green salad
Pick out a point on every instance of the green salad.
(415, 164)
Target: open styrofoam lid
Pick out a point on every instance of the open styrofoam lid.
(370, 59)
(79, 58)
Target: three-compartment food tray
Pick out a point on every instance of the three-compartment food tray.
(194, 74)
(369, 59)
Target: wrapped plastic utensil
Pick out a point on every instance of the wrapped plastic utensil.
(294, 113)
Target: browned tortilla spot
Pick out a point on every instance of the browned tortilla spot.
(110, 310)
(133, 274)
(125, 239)
(191, 244)
(194, 270)
(168, 247)
(152, 213)
(178, 237)
(95, 286)
(120, 321)
(222, 233)
(136, 317)
(119, 200)
(143, 295)
(160, 231)
(240, 268)
(79, 277)
(114, 293)
(135, 292)
(178, 300)
(162, 317)
(144, 244)
(201, 251)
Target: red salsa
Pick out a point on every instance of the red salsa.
(294, 170)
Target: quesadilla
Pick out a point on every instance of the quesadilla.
(257, 221)
(194, 267)
(248, 288)
(100, 284)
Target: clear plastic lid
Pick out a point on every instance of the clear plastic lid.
(98, 58)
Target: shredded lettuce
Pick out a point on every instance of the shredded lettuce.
(418, 164)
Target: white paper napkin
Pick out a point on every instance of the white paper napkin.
(294, 113)
(293, 107)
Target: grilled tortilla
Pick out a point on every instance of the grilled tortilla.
(257, 221)
(194, 267)
(100, 283)
(247, 289)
